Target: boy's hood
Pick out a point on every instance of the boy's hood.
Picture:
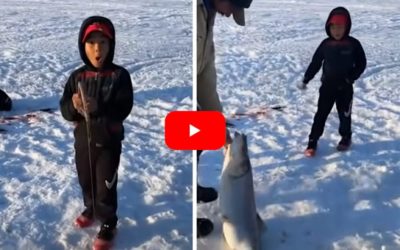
(339, 11)
(81, 45)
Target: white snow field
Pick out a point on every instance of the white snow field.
(39, 191)
(347, 200)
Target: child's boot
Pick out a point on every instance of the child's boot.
(84, 220)
(344, 144)
(105, 237)
(311, 148)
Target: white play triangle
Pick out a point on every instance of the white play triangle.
(193, 130)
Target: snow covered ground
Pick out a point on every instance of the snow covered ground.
(336, 200)
(39, 191)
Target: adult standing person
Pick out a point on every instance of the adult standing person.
(207, 96)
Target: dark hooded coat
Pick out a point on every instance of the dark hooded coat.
(342, 61)
(111, 86)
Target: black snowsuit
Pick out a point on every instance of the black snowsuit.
(343, 61)
(111, 86)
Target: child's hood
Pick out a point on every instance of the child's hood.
(339, 11)
(81, 45)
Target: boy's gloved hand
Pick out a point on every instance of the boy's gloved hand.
(301, 85)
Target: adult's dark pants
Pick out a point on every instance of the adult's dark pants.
(105, 161)
(342, 95)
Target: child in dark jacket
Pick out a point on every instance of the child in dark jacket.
(343, 61)
(109, 100)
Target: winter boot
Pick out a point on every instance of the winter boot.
(206, 194)
(311, 148)
(85, 219)
(204, 227)
(344, 144)
(104, 238)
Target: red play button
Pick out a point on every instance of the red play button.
(191, 130)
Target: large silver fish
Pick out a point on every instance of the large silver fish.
(241, 225)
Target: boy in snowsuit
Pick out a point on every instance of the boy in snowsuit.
(343, 61)
(109, 100)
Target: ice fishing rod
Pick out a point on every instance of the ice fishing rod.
(89, 139)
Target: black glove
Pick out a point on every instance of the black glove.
(306, 80)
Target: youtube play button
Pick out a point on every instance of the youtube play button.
(195, 130)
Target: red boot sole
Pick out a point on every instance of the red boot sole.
(83, 222)
(309, 152)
